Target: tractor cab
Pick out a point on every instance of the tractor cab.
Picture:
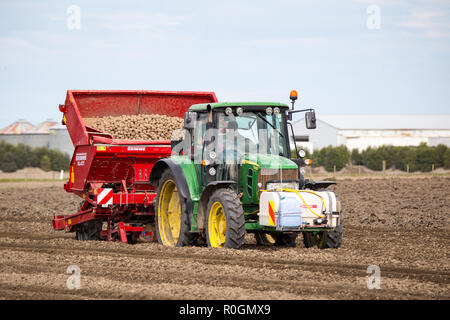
(225, 135)
(224, 140)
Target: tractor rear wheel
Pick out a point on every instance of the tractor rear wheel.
(225, 222)
(171, 217)
(276, 239)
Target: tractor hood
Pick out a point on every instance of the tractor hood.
(269, 161)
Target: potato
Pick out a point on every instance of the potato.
(139, 127)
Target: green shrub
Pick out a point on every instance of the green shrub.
(60, 161)
(426, 157)
(8, 163)
(418, 158)
(46, 163)
(446, 162)
(21, 156)
(441, 151)
(372, 159)
(356, 157)
(332, 156)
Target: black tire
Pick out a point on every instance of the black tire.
(234, 216)
(276, 239)
(286, 240)
(185, 237)
(325, 239)
(132, 238)
(89, 230)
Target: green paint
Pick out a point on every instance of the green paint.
(190, 174)
(270, 161)
(188, 168)
(202, 106)
(194, 224)
(248, 181)
(253, 226)
(249, 169)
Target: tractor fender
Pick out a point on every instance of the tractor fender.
(180, 179)
(204, 198)
(161, 166)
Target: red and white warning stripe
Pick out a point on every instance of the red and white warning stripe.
(105, 196)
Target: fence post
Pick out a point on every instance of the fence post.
(334, 171)
(432, 169)
(407, 168)
(384, 167)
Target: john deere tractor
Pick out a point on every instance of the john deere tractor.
(233, 174)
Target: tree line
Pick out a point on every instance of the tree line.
(418, 158)
(15, 157)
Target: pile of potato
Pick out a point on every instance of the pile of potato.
(139, 127)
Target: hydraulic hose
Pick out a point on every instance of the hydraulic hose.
(298, 193)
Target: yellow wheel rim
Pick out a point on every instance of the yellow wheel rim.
(169, 214)
(217, 226)
(321, 237)
(270, 238)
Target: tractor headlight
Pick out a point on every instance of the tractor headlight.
(228, 111)
(212, 155)
(276, 110)
(301, 153)
(302, 171)
(212, 171)
(269, 111)
(282, 185)
(239, 111)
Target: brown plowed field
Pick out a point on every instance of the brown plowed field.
(401, 225)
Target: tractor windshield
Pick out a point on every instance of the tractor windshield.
(251, 132)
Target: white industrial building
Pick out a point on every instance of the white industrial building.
(48, 134)
(362, 131)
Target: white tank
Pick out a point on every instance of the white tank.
(295, 209)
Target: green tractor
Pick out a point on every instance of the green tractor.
(233, 174)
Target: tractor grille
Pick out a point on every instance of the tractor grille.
(266, 175)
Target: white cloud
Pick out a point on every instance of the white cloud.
(288, 41)
(14, 43)
(136, 21)
(430, 24)
(384, 2)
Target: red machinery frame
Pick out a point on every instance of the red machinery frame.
(121, 167)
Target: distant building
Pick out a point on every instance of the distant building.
(46, 134)
(43, 127)
(17, 127)
(362, 131)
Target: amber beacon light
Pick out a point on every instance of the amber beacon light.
(293, 95)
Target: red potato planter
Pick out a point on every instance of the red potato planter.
(112, 175)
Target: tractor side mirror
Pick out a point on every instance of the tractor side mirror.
(189, 120)
(310, 119)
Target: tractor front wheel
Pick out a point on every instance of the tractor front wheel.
(324, 239)
(225, 222)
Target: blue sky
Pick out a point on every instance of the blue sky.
(242, 50)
